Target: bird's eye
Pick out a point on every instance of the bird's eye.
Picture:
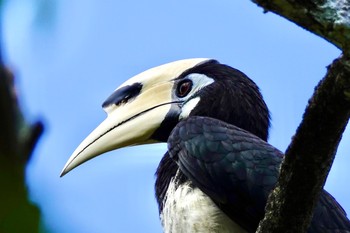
(183, 88)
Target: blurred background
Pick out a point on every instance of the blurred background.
(68, 56)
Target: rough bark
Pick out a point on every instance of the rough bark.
(17, 141)
(330, 19)
(311, 153)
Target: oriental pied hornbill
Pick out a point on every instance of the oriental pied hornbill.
(219, 169)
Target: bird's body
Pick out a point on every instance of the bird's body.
(219, 169)
(247, 168)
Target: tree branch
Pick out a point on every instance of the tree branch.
(329, 19)
(310, 155)
(17, 141)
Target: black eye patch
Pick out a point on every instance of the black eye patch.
(123, 95)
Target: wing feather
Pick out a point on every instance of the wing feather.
(237, 170)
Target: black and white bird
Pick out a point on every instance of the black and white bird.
(219, 169)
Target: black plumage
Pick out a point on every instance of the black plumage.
(238, 170)
(221, 148)
(233, 98)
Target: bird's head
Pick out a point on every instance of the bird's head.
(147, 107)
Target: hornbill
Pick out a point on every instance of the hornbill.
(219, 168)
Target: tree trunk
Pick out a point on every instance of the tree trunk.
(310, 155)
(17, 141)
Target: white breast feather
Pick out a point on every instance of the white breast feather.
(189, 210)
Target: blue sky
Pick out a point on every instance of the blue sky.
(68, 56)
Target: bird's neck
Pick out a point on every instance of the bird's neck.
(166, 170)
